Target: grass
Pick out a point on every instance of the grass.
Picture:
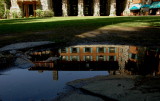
(65, 28)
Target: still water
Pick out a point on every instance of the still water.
(24, 85)
(55, 66)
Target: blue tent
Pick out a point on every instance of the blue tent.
(136, 7)
(155, 5)
(146, 6)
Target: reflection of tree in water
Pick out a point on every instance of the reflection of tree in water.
(131, 66)
(140, 59)
(147, 62)
(151, 60)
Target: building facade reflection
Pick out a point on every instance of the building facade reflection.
(108, 54)
(119, 58)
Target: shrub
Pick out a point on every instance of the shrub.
(39, 13)
(2, 11)
(7, 14)
(48, 13)
(30, 16)
(16, 14)
(19, 14)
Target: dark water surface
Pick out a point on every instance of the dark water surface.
(55, 66)
(24, 85)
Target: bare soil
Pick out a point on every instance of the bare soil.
(145, 36)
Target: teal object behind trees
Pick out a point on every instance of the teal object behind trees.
(136, 7)
(146, 6)
(155, 5)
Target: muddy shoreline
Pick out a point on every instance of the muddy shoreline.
(114, 88)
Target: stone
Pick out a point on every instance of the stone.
(120, 87)
(24, 63)
(52, 59)
(46, 5)
(126, 12)
(13, 52)
(96, 8)
(81, 97)
(64, 8)
(24, 45)
(113, 8)
(14, 8)
(109, 88)
(80, 8)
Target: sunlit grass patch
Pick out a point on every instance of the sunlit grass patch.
(66, 28)
(132, 24)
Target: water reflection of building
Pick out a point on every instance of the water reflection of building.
(44, 64)
(96, 53)
(152, 59)
(55, 74)
(89, 53)
(131, 64)
(143, 60)
(43, 58)
(41, 55)
(133, 51)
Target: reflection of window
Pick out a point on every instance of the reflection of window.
(65, 58)
(112, 58)
(101, 58)
(87, 58)
(100, 50)
(74, 50)
(64, 50)
(48, 51)
(112, 50)
(133, 56)
(87, 50)
(74, 58)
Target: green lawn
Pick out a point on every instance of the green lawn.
(65, 28)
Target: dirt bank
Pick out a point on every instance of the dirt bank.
(115, 88)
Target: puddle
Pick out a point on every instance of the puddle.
(95, 57)
(24, 85)
(54, 66)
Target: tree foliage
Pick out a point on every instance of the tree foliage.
(2, 10)
(4, 5)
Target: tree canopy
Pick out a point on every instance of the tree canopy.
(4, 4)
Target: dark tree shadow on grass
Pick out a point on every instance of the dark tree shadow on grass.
(22, 30)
